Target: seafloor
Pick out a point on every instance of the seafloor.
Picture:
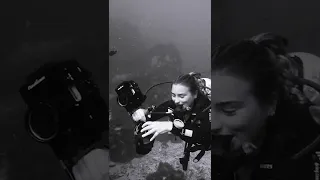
(163, 163)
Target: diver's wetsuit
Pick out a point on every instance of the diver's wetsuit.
(195, 120)
(287, 134)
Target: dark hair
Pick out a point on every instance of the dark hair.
(189, 80)
(263, 61)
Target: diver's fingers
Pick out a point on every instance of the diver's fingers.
(147, 124)
(80, 171)
(137, 118)
(147, 128)
(97, 163)
(141, 115)
(141, 111)
(143, 118)
(138, 115)
(315, 113)
(149, 132)
(154, 136)
(134, 117)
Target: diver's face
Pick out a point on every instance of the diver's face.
(236, 111)
(182, 96)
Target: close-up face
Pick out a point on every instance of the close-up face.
(182, 96)
(235, 110)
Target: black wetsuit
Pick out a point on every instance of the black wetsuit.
(196, 120)
(288, 133)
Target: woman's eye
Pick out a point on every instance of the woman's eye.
(229, 112)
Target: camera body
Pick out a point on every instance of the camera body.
(65, 109)
(143, 145)
(130, 96)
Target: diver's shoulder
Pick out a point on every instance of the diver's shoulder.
(203, 103)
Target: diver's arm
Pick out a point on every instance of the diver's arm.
(94, 165)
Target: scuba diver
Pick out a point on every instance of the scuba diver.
(189, 117)
(263, 125)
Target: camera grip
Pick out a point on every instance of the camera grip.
(143, 145)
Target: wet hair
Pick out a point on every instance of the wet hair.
(263, 61)
(190, 80)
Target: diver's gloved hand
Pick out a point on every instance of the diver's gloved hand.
(315, 113)
(139, 115)
(156, 128)
(314, 109)
(93, 166)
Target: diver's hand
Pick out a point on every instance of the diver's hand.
(139, 115)
(314, 109)
(315, 113)
(93, 166)
(156, 128)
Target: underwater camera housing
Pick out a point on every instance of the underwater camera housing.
(131, 98)
(65, 109)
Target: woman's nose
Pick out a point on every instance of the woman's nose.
(175, 100)
(219, 129)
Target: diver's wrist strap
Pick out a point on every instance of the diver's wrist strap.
(175, 130)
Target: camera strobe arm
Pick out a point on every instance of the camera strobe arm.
(159, 114)
(154, 113)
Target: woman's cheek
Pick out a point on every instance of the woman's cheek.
(236, 122)
(238, 125)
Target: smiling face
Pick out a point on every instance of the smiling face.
(182, 96)
(236, 111)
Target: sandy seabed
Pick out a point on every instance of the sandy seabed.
(163, 163)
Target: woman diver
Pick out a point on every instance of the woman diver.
(262, 127)
(190, 104)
